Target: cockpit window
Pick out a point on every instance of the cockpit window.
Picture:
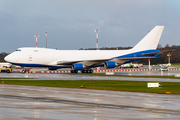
(18, 50)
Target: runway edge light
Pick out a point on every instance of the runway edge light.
(154, 85)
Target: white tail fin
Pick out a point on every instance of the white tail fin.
(151, 40)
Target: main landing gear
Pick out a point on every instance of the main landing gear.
(74, 71)
(87, 71)
(83, 71)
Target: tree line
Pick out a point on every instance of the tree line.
(2, 56)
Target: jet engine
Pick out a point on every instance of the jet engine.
(77, 66)
(110, 64)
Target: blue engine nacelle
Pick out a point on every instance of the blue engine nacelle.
(77, 66)
(110, 64)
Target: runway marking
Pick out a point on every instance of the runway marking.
(97, 105)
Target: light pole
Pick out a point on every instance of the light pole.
(149, 63)
(36, 38)
(46, 38)
(96, 38)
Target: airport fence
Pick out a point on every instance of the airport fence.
(104, 71)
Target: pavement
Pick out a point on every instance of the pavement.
(49, 103)
(20, 102)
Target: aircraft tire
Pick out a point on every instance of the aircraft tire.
(83, 71)
(87, 71)
(23, 71)
(72, 71)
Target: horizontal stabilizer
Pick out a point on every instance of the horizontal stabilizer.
(155, 53)
(166, 51)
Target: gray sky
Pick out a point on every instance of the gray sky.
(71, 23)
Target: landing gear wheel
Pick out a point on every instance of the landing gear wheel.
(74, 71)
(91, 71)
(23, 71)
(83, 71)
(87, 71)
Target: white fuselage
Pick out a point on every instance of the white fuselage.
(46, 56)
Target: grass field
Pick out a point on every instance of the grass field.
(132, 86)
(175, 63)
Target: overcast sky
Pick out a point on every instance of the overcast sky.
(71, 23)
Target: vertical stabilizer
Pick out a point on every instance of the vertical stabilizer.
(151, 40)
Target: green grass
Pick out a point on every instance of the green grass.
(175, 63)
(132, 86)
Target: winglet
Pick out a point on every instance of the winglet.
(151, 40)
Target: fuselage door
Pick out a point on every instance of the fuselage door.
(30, 58)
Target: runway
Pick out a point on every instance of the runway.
(30, 102)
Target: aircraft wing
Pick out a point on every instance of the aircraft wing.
(85, 62)
(67, 62)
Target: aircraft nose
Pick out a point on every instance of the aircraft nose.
(7, 58)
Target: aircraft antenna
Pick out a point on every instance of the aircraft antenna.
(97, 37)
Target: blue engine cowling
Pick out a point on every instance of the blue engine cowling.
(110, 64)
(77, 66)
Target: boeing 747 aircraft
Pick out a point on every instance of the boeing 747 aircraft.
(84, 60)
